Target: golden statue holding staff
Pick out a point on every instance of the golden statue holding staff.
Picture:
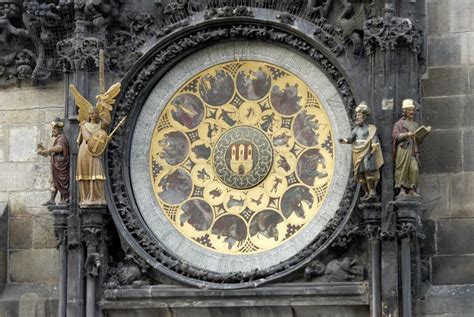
(93, 139)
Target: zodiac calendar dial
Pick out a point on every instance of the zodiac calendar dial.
(242, 157)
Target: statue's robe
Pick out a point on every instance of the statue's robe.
(362, 138)
(60, 166)
(90, 170)
(405, 152)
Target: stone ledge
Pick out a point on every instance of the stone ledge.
(291, 294)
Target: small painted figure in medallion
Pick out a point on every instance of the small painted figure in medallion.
(294, 199)
(174, 147)
(270, 121)
(249, 113)
(253, 84)
(265, 223)
(59, 153)
(232, 228)
(366, 153)
(311, 166)
(197, 213)
(175, 187)
(305, 128)
(216, 87)
(406, 137)
(187, 110)
(287, 100)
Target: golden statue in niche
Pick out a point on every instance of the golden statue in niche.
(242, 157)
(93, 139)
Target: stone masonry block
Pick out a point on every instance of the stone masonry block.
(468, 145)
(461, 15)
(24, 177)
(444, 112)
(462, 195)
(448, 50)
(28, 203)
(3, 143)
(453, 270)
(441, 152)
(35, 265)
(468, 117)
(20, 233)
(43, 233)
(434, 189)
(22, 143)
(438, 20)
(27, 98)
(455, 236)
(470, 47)
(446, 81)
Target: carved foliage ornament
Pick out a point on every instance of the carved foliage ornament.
(116, 168)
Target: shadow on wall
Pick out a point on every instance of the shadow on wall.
(3, 244)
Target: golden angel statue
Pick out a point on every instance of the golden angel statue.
(92, 141)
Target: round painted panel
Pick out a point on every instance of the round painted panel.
(242, 157)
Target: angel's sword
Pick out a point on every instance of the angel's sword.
(101, 72)
(117, 127)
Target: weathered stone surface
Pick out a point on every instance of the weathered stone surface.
(441, 152)
(470, 43)
(446, 301)
(461, 16)
(36, 265)
(448, 50)
(468, 145)
(444, 112)
(434, 190)
(22, 143)
(31, 98)
(28, 304)
(3, 269)
(462, 197)
(455, 236)
(4, 214)
(453, 269)
(428, 246)
(24, 176)
(438, 21)
(446, 81)
(3, 143)
(20, 233)
(28, 203)
(43, 233)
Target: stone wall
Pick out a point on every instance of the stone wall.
(447, 183)
(24, 182)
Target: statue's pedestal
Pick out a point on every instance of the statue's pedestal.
(93, 219)
(60, 216)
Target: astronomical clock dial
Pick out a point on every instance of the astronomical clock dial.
(241, 164)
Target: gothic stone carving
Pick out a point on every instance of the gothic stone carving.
(121, 199)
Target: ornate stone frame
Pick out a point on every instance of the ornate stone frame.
(137, 84)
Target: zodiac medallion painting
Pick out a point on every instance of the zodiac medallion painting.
(242, 157)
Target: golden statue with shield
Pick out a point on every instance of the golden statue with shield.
(93, 139)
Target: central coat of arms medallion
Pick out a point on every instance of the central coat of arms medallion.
(242, 157)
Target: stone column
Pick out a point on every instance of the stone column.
(407, 223)
(372, 215)
(61, 214)
(93, 221)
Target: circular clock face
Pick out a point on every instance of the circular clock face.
(233, 159)
(242, 157)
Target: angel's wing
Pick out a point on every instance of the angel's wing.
(106, 100)
(82, 103)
